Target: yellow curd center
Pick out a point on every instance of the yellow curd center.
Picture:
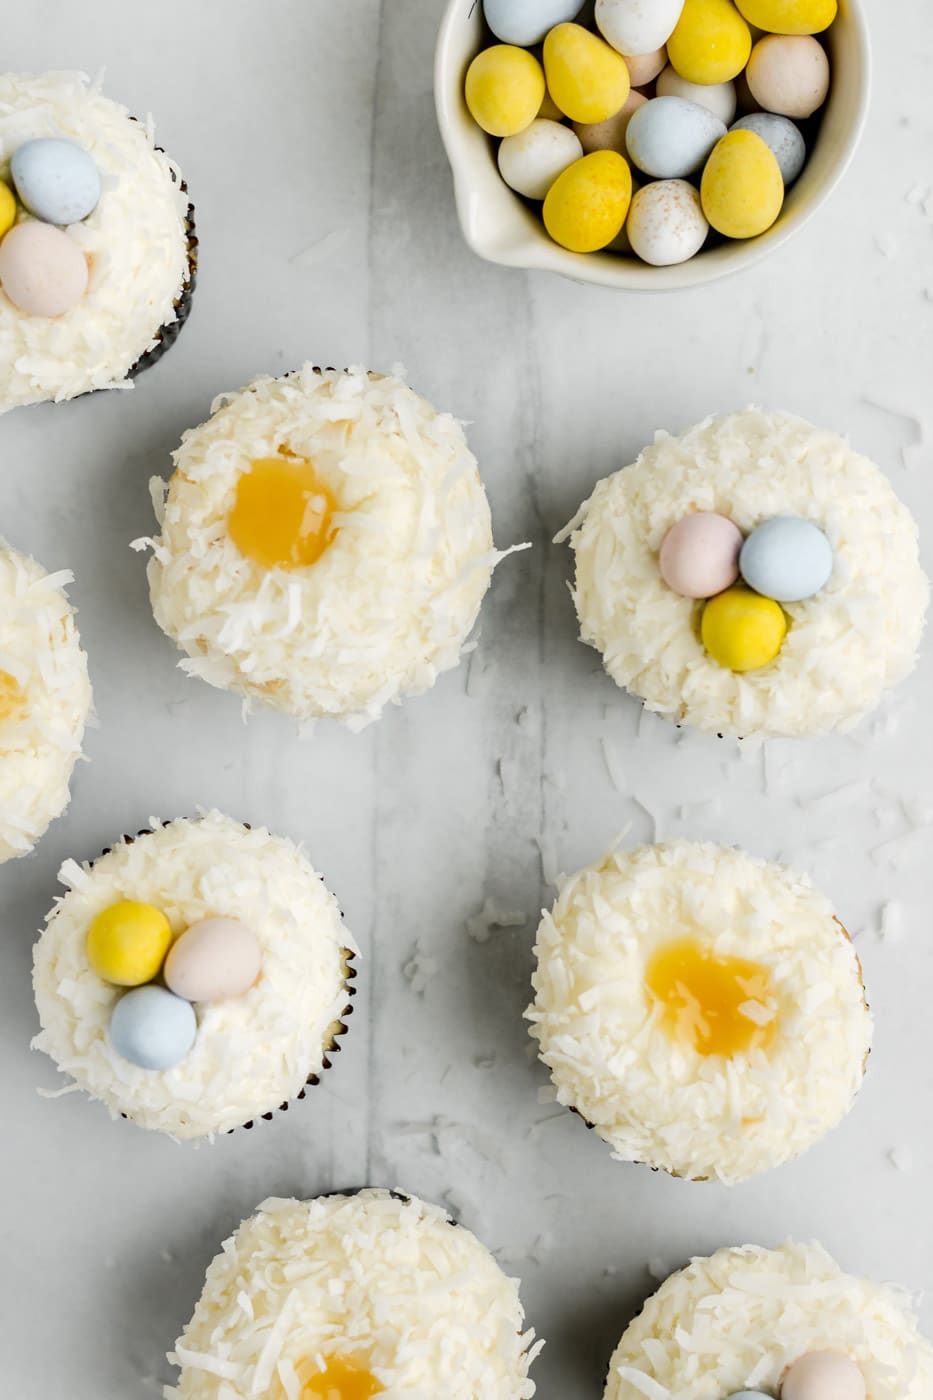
(282, 515)
(710, 1002)
(12, 699)
(342, 1380)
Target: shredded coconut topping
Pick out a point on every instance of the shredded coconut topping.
(388, 1283)
(390, 602)
(844, 647)
(252, 1052)
(737, 1320)
(610, 1056)
(41, 742)
(135, 241)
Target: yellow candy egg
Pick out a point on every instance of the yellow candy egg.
(504, 89)
(711, 42)
(127, 943)
(741, 630)
(7, 208)
(587, 205)
(587, 79)
(742, 190)
(790, 16)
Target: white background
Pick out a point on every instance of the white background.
(307, 134)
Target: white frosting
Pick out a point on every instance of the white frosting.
(390, 602)
(252, 1052)
(39, 746)
(844, 647)
(661, 1102)
(390, 1285)
(737, 1320)
(135, 240)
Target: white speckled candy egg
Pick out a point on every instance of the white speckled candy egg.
(784, 139)
(823, 1375)
(213, 960)
(789, 74)
(700, 555)
(720, 98)
(56, 179)
(787, 558)
(526, 22)
(152, 1028)
(666, 223)
(610, 134)
(531, 161)
(670, 137)
(42, 269)
(637, 26)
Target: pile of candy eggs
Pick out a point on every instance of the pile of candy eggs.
(819, 1375)
(743, 581)
(130, 944)
(625, 133)
(43, 271)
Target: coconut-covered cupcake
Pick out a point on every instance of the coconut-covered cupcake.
(753, 1324)
(326, 544)
(702, 1009)
(97, 247)
(193, 978)
(45, 699)
(347, 1297)
(754, 576)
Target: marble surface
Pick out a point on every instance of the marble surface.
(307, 134)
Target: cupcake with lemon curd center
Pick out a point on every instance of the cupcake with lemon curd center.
(702, 1009)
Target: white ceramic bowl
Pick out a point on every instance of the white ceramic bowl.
(499, 227)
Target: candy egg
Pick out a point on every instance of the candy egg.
(742, 189)
(665, 226)
(700, 552)
(585, 76)
(504, 89)
(7, 208)
(525, 22)
(643, 68)
(787, 558)
(152, 1028)
(789, 16)
(56, 179)
(782, 138)
(214, 959)
(127, 943)
(789, 74)
(42, 270)
(670, 137)
(823, 1375)
(610, 134)
(711, 42)
(741, 630)
(748, 1395)
(636, 27)
(720, 98)
(531, 161)
(586, 207)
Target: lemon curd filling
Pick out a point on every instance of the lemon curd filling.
(712, 1004)
(12, 699)
(341, 1380)
(282, 516)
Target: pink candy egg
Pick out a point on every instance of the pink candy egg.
(645, 67)
(789, 74)
(213, 960)
(823, 1375)
(700, 555)
(42, 269)
(610, 134)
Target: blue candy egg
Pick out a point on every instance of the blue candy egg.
(526, 22)
(152, 1028)
(56, 180)
(787, 559)
(670, 137)
(784, 138)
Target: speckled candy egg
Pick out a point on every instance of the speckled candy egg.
(823, 1375)
(56, 180)
(586, 207)
(585, 76)
(637, 26)
(152, 1028)
(710, 43)
(789, 74)
(610, 134)
(643, 68)
(742, 189)
(782, 138)
(700, 553)
(720, 98)
(666, 225)
(531, 161)
(790, 16)
(787, 558)
(525, 22)
(670, 137)
(504, 89)
(213, 960)
(42, 270)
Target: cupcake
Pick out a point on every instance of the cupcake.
(347, 1297)
(97, 246)
(325, 547)
(193, 978)
(702, 1009)
(751, 1323)
(45, 699)
(754, 576)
